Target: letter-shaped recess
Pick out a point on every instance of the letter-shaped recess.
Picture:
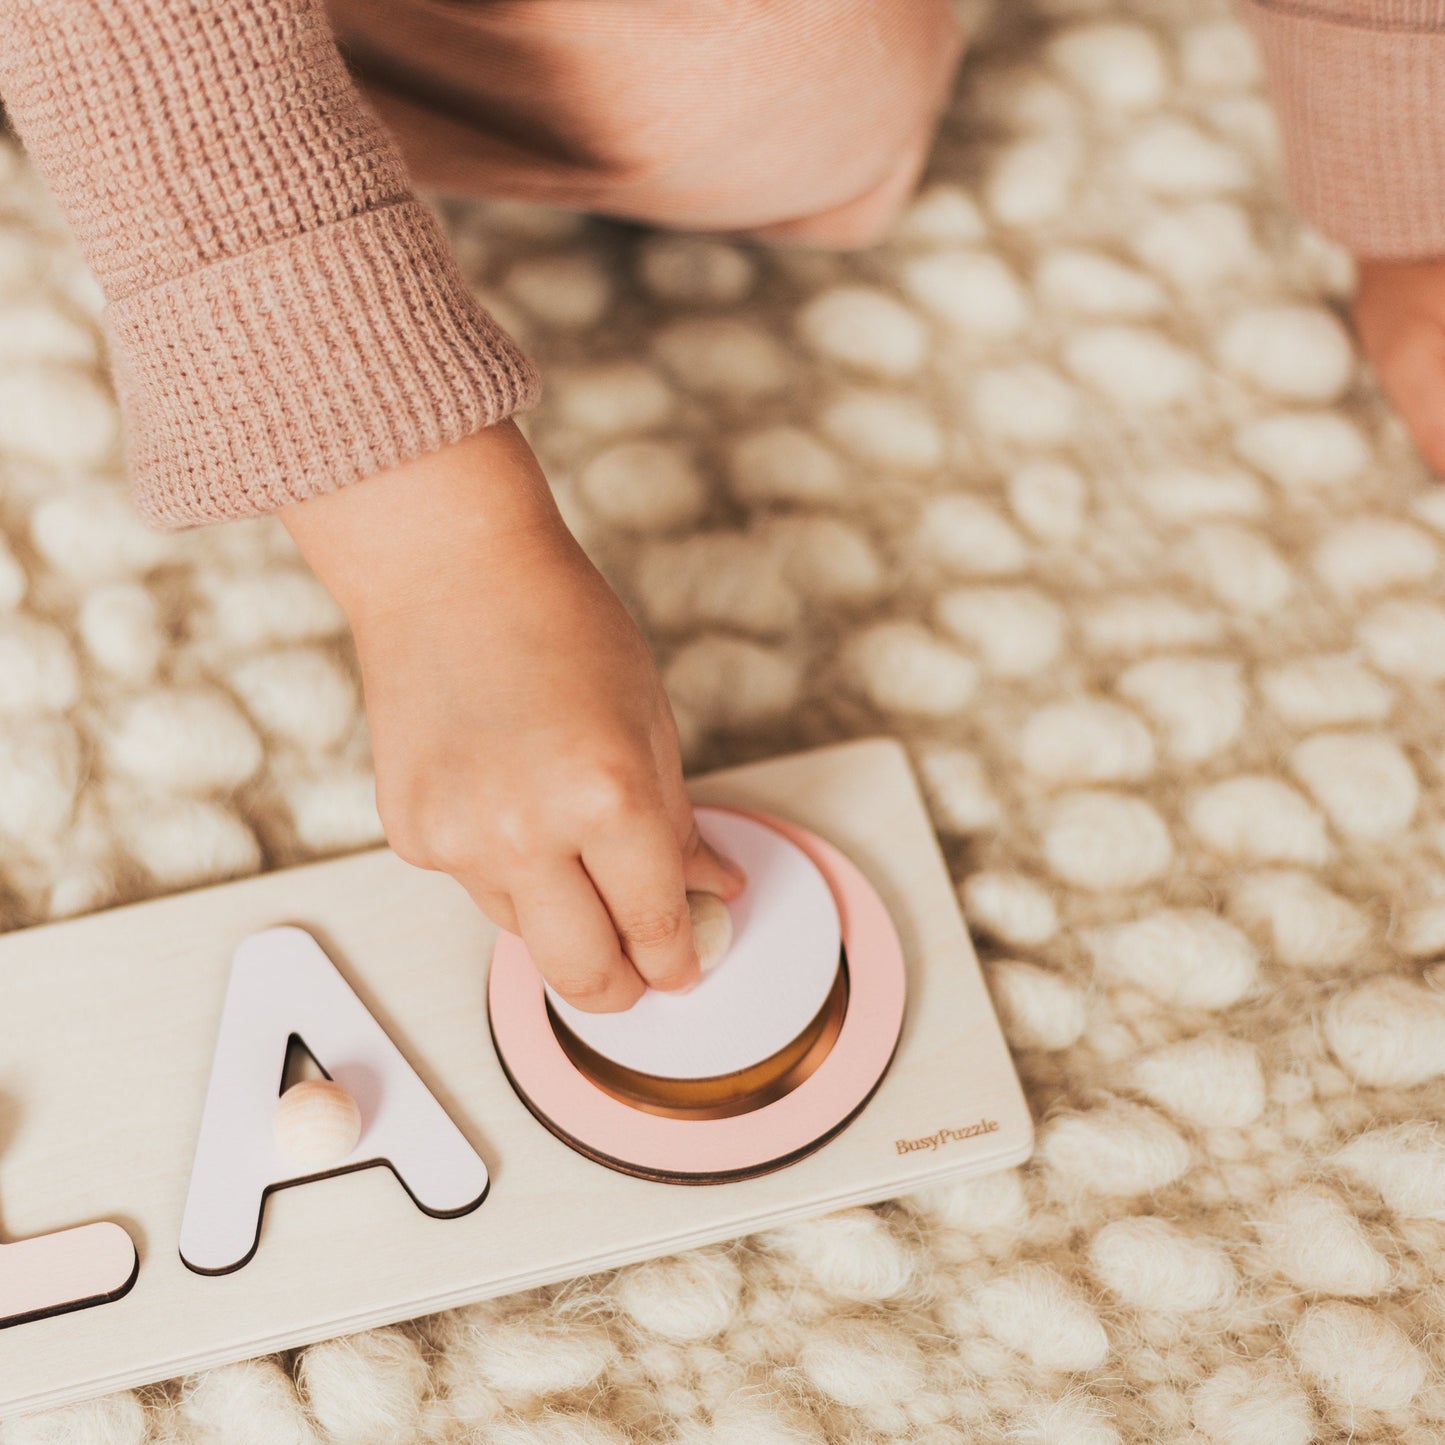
(283, 985)
(72, 1269)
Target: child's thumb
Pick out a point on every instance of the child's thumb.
(705, 870)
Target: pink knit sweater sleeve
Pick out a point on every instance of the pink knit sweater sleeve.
(284, 315)
(1360, 89)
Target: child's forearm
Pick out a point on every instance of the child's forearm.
(1400, 318)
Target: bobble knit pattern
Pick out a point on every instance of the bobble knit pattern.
(1106, 522)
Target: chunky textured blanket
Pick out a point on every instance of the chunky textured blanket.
(1075, 485)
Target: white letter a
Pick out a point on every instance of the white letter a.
(282, 984)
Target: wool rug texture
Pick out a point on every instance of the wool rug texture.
(1077, 486)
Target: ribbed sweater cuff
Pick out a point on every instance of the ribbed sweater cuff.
(299, 367)
(1361, 98)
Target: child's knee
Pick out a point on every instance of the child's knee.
(838, 173)
(802, 120)
(808, 122)
(861, 222)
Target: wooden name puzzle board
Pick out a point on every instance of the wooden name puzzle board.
(141, 1053)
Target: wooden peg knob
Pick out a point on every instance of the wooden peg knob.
(712, 927)
(317, 1123)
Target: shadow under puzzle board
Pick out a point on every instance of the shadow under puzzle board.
(108, 1024)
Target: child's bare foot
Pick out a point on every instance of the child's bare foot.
(1400, 318)
(522, 738)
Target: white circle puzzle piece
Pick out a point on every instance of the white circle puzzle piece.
(761, 995)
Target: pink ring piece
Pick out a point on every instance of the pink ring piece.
(553, 1088)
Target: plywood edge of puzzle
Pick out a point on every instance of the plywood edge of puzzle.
(413, 948)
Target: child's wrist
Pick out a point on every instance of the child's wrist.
(404, 538)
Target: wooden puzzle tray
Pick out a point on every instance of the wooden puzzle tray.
(108, 1025)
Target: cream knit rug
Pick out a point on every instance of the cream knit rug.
(1076, 486)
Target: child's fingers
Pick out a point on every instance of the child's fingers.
(705, 870)
(572, 940)
(497, 906)
(638, 873)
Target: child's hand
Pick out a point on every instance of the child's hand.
(1400, 317)
(522, 739)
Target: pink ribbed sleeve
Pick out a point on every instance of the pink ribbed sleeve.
(284, 315)
(1360, 88)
